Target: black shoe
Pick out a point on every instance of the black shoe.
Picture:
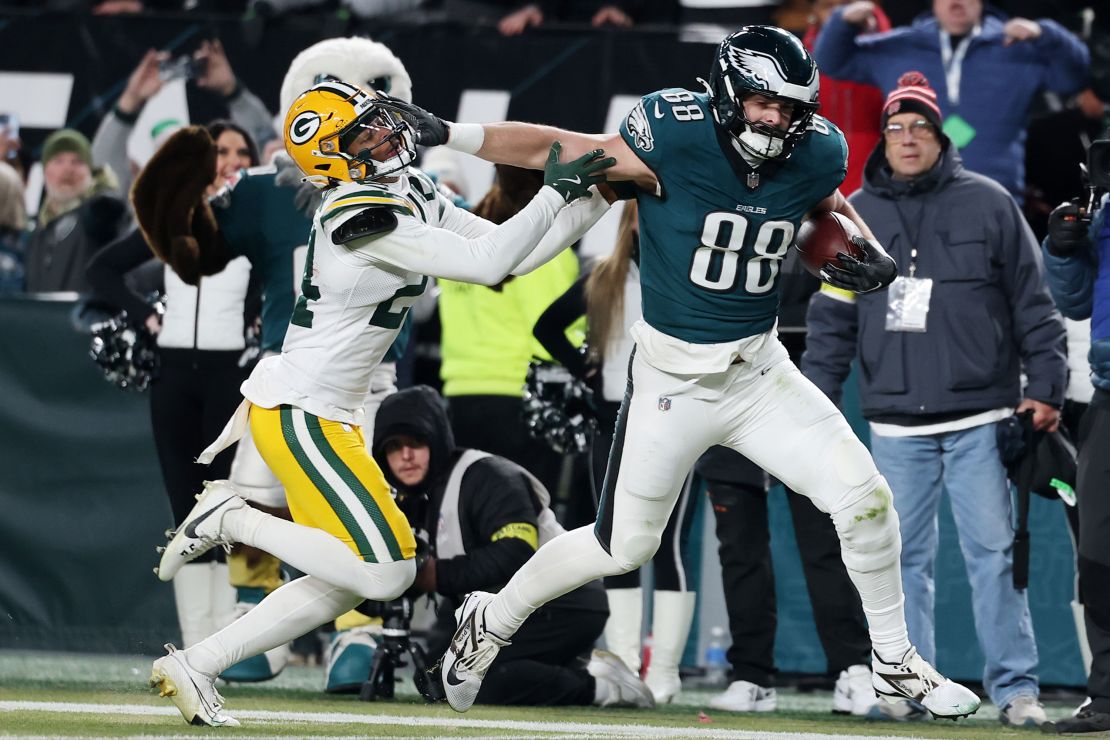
(1087, 722)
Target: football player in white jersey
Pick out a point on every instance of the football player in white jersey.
(380, 231)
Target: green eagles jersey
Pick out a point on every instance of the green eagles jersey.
(260, 221)
(712, 239)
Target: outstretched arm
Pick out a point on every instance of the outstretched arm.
(523, 144)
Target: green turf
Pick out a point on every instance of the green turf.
(116, 680)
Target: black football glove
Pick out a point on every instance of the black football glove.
(876, 270)
(573, 179)
(1067, 232)
(431, 130)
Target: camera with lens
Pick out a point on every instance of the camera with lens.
(1096, 176)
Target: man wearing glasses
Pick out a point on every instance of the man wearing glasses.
(940, 353)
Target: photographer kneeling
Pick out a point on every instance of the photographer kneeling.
(484, 516)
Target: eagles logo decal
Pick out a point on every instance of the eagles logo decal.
(640, 128)
(304, 127)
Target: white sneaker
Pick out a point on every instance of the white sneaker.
(1023, 711)
(854, 693)
(201, 530)
(913, 678)
(192, 692)
(745, 696)
(617, 685)
(471, 652)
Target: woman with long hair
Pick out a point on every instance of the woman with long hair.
(609, 297)
(201, 338)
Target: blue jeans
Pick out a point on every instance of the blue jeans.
(966, 465)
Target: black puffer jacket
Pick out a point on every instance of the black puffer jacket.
(990, 315)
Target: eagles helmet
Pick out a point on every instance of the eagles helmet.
(324, 120)
(771, 62)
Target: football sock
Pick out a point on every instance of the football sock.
(287, 613)
(560, 566)
(317, 553)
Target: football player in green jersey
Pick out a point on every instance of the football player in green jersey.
(722, 178)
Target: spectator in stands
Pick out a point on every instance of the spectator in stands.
(609, 295)
(483, 517)
(853, 106)
(81, 212)
(1077, 256)
(110, 141)
(990, 70)
(487, 341)
(941, 352)
(13, 223)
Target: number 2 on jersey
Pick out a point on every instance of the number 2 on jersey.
(722, 235)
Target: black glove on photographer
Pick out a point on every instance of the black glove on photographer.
(876, 270)
(1067, 232)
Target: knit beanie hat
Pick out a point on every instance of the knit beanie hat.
(913, 95)
(67, 140)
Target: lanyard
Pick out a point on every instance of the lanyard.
(912, 235)
(954, 62)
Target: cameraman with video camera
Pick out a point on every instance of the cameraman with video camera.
(483, 517)
(1077, 260)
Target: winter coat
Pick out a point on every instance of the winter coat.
(996, 87)
(989, 318)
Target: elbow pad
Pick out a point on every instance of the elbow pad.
(368, 223)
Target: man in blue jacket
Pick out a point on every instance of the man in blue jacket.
(940, 357)
(1077, 258)
(989, 70)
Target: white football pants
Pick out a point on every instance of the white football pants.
(766, 410)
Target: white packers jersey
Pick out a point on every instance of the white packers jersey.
(350, 308)
(355, 296)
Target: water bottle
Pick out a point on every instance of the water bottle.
(716, 664)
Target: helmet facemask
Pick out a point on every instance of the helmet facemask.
(766, 61)
(397, 136)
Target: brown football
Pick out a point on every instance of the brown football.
(823, 237)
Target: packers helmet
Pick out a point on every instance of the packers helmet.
(325, 121)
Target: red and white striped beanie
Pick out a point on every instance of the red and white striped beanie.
(913, 95)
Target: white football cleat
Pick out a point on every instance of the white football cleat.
(472, 651)
(854, 694)
(201, 530)
(617, 685)
(745, 696)
(913, 678)
(192, 692)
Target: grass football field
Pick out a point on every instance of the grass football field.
(49, 695)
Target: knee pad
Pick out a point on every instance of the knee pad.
(631, 551)
(868, 528)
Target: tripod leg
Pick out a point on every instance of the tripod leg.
(427, 684)
(379, 684)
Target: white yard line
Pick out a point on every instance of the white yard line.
(555, 729)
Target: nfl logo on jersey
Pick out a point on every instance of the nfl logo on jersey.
(664, 403)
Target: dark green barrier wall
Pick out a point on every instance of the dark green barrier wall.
(81, 499)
